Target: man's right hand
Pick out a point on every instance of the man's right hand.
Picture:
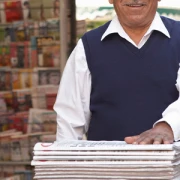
(161, 133)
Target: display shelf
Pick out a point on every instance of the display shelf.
(34, 47)
(10, 163)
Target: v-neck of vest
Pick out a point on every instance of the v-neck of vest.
(139, 52)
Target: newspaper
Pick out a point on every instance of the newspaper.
(107, 153)
(107, 173)
(103, 145)
(155, 163)
(106, 169)
(103, 177)
(109, 166)
(106, 158)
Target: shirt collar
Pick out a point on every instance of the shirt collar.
(115, 27)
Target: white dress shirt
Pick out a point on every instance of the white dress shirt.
(73, 100)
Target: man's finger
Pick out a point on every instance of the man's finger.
(158, 139)
(131, 140)
(167, 140)
(145, 140)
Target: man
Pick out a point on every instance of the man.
(120, 80)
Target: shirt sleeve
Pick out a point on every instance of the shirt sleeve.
(72, 102)
(171, 115)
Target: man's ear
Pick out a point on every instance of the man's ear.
(111, 1)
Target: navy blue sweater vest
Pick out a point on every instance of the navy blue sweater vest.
(131, 87)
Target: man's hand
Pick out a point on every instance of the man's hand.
(160, 134)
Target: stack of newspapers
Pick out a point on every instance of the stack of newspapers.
(101, 160)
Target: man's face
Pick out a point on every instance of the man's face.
(135, 13)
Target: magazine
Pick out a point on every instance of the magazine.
(20, 54)
(5, 58)
(46, 76)
(48, 52)
(5, 80)
(11, 11)
(6, 100)
(36, 9)
(53, 28)
(41, 120)
(22, 100)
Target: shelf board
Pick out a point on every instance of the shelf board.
(10, 163)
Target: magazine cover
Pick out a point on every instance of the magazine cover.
(33, 53)
(5, 147)
(36, 9)
(22, 78)
(15, 122)
(50, 100)
(25, 146)
(39, 97)
(53, 28)
(49, 76)
(26, 78)
(51, 55)
(41, 120)
(44, 96)
(22, 100)
(16, 79)
(41, 43)
(20, 148)
(19, 31)
(42, 28)
(20, 54)
(48, 8)
(25, 4)
(4, 123)
(2, 32)
(24, 119)
(5, 58)
(5, 80)
(6, 31)
(6, 99)
(13, 54)
(11, 11)
(29, 29)
(15, 148)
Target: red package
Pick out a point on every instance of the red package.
(13, 11)
(16, 122)
(50, 100)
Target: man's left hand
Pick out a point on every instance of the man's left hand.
(161, 133)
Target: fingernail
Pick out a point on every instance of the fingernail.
(134, 142)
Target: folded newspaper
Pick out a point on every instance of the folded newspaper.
(106, 160)
(102, 145)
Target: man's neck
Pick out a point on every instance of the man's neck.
(136, 34)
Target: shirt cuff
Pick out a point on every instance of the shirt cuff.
(173, 120)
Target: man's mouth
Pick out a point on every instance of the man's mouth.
(135, 5)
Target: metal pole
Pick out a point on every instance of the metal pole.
(73, 24)
(63, 33)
